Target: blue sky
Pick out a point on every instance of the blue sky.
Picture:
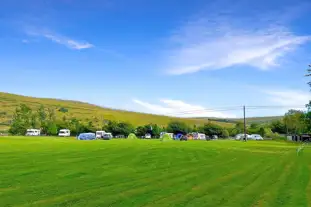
(162, 57)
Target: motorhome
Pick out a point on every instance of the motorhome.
(64, 133)
(33, 132)
(100, 134)
(199, 136)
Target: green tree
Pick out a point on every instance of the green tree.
(52, 129)
(22, 120)
(211, 129)
(141, 131)
(278, 126)
(224, 133)
(295, 121)
(42, 118)
(177, 127)
(262, 131)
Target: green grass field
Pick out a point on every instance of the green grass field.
(68, 172)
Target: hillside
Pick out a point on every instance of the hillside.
(249, 120)
(83, 111)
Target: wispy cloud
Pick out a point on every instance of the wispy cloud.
(292, 98)
(60, 39)
(228, 38)
(180, 109)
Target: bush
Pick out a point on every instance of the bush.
(132, 136)
(62, 109)
(224, 133)
(166, 137)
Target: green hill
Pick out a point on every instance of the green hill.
(249, 120)
(84, 111)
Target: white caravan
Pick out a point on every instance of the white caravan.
(64, 133)
(147, 136)
(241, 136)
(33, 132)
(199, 136)
(100, 134)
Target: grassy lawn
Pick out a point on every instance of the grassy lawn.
(68, 172)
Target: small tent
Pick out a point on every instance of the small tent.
(166, 137)
(86, 136)
(131, 136)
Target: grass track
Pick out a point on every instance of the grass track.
(67, 172)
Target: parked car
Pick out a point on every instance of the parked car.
(255, 137)
(107, 136)
(183, 138)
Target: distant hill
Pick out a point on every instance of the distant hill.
(85, 112)
(250, 120)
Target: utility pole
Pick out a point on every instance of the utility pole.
(244, 123)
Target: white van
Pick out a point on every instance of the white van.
(255, 137)
(107, 136)
(199, 136)
(64, 133)
(33, 132)
(100, 134)
(241, 136)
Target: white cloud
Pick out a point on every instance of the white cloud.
(291, 98)
(180, 109)
(68, 42)
(25, 41)
(217, 41)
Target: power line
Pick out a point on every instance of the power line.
(234, 108)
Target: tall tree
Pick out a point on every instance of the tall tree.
(22, 120)
(295, 121)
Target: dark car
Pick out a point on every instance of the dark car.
(183, 138)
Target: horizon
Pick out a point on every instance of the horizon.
(198, 58)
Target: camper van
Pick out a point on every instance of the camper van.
(107, 136)
(241, 136)
(199, 136)
(100, 134)
(64, 133)
(33, 132)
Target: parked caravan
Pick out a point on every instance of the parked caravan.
(100, 134)
(147, 136)
(33, 132)
(199, 136)
(86, 136)
(64, 133)
(241, 136)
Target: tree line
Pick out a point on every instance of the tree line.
(294, 122)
